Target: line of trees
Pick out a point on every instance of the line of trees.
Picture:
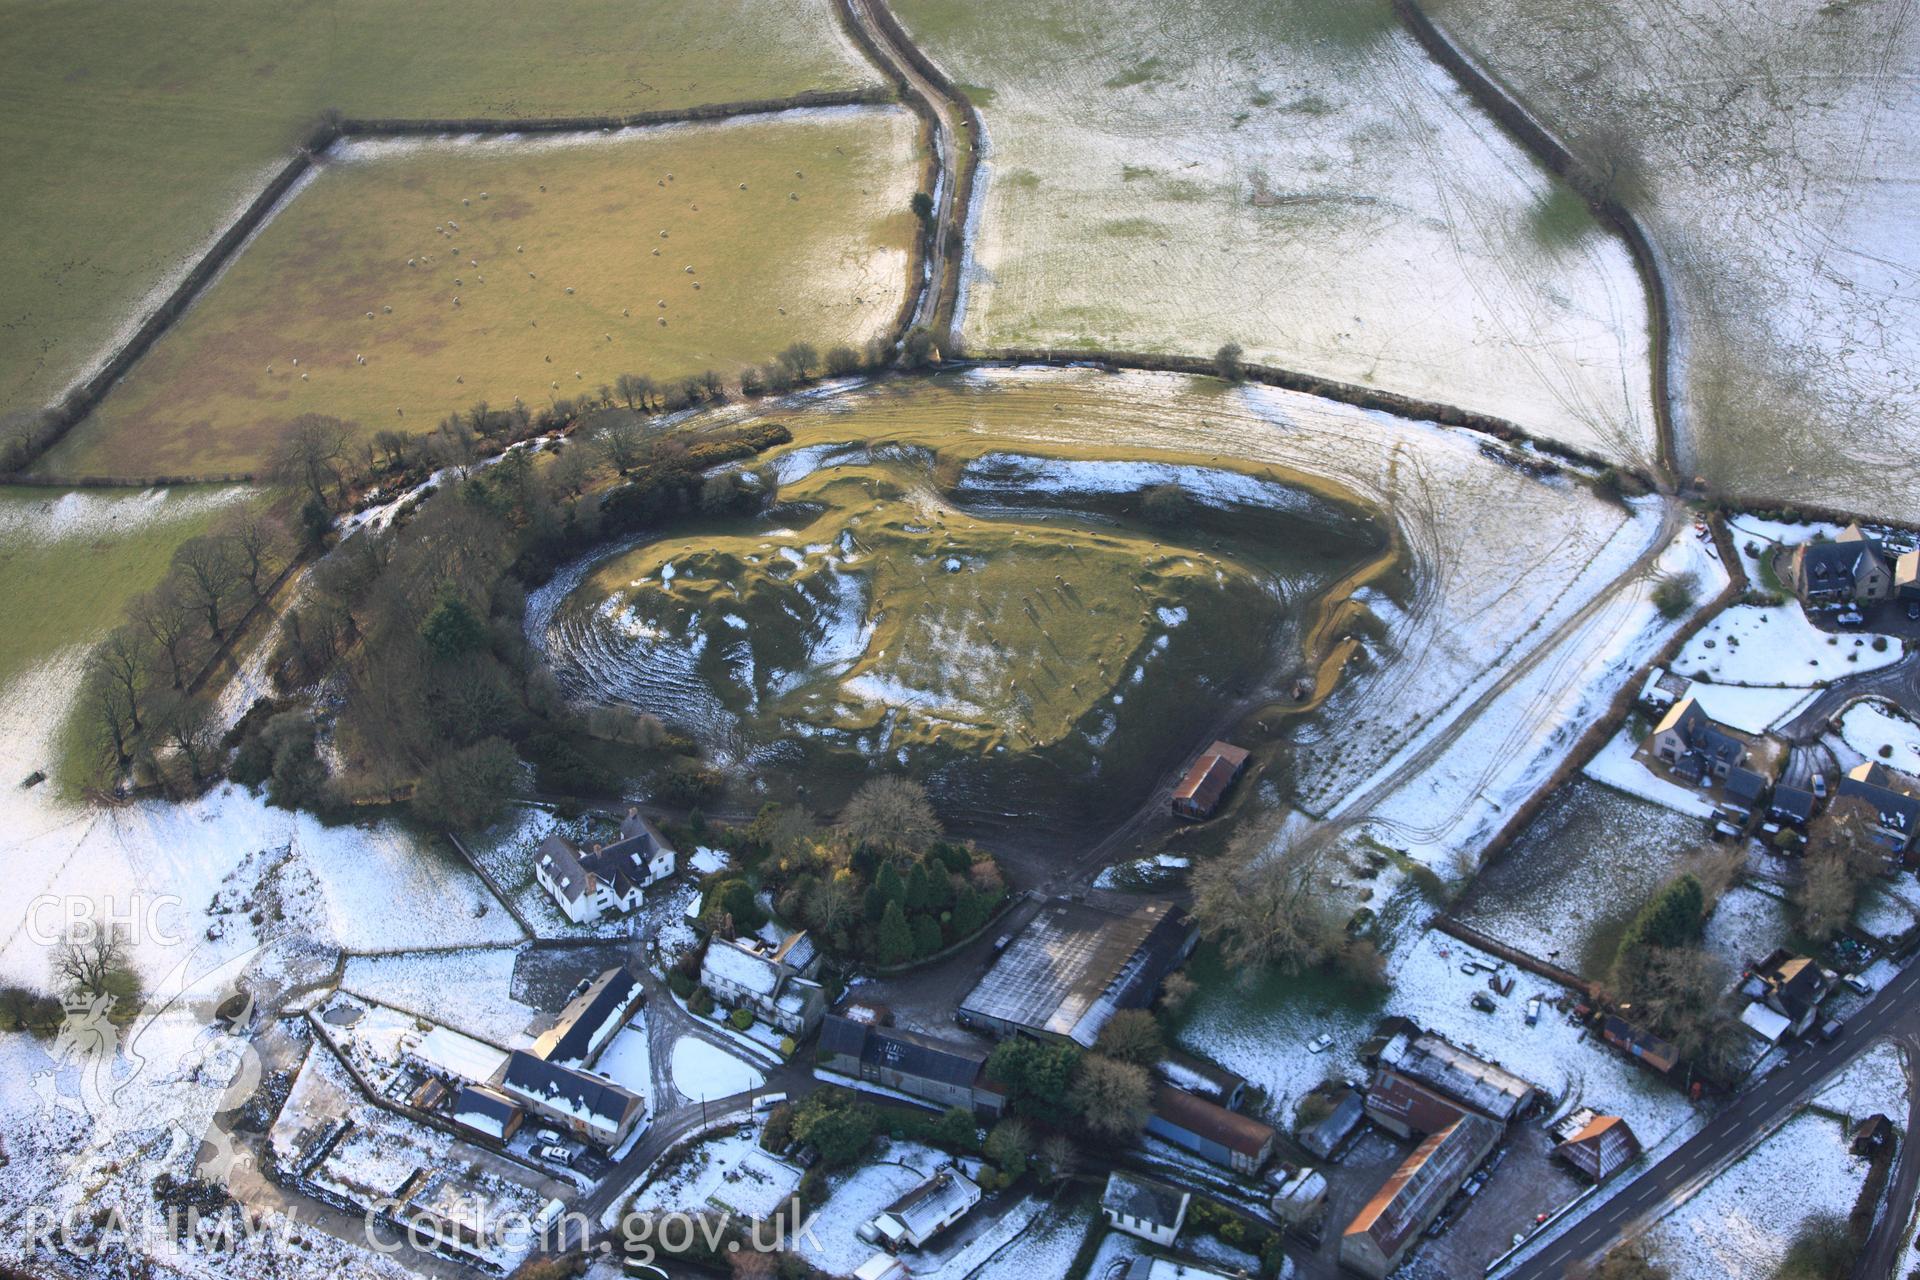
(139, 711)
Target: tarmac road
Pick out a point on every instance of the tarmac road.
(1893, 1012)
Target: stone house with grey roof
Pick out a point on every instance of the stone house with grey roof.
(748, 973)
(1852, 568)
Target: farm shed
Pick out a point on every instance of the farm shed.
(1209, 1130)
(1204, 785)
(1599, 1148)
(1380, 1235)
(1078, 963)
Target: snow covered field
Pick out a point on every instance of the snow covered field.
(1459, 799)
(1262, 1034)
(1576, 875)
(729, 1171)
(1778, 647)
(468, 990)
(1771, 148)
(1616, 766)
(1741, 1224)
(1297, 177)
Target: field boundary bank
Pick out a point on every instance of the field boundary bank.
(1536, 138)
(1389, 402)
(961, 165)
(86, 396)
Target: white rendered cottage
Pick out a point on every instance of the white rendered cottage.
(603, 880)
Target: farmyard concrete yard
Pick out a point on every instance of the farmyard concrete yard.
(888, 639)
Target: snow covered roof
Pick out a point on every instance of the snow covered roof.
(1144, 1199)
(927, 1208)
(594, 1100)
(735, 963)
(460, 1056)
(1478, 1083)
(484, 1110)
(590, 1019)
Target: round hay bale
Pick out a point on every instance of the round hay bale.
(743, 186)
(662, 322)
(689, 270)
(569, 289)
(303, 377)
(386, 310)
(663, 235)
(793, 195)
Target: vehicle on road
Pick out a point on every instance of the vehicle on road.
(1320, 1043)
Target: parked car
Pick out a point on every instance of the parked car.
(1859, 984)
(1820, 785)
(768, 1101)
(1320, 1043)
(1913, 611)
(547, 1135)
(552, 1151)
(1533, 1011)
(1482, 1001)
(1832, 1027)
(1469, 967)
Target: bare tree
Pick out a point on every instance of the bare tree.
(167, 618)
(623, 442)
(892, 814)
(259, 545)
(192, 729)
(1266, 902)
(311, 455)
(113, 715)
(92, 960)
(210, 573)
(120, 661)
(634, 389)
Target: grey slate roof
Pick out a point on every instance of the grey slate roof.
(1791, 803)
(1142, 1198)
(1745, 784)
(586, 1017)
(585, 1096)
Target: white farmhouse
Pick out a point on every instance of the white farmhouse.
(603, 880)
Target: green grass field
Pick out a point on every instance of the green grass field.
(69, 562)
(569, 261)
(131, 133)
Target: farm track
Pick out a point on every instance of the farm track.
(954, 127)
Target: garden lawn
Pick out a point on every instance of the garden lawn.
(132, 134)
(408, 280)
